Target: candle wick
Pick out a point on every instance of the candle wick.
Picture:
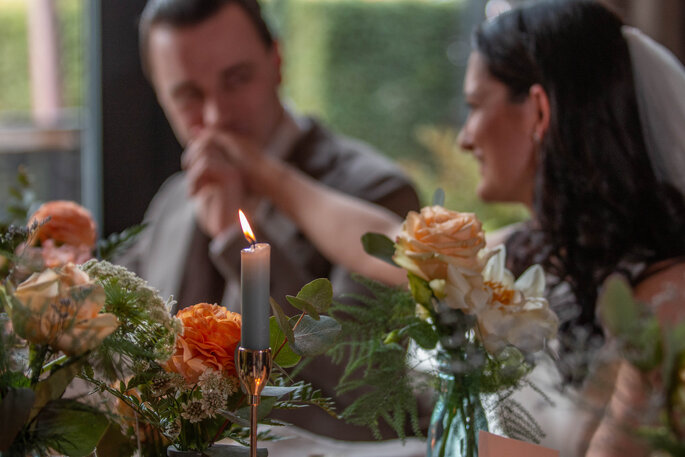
(253, 243)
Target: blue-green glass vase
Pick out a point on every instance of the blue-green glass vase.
(457, 418)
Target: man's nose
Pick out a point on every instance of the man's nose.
(213, 113)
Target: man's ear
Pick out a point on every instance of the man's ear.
(539, 97)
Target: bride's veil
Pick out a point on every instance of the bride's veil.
(660, 89)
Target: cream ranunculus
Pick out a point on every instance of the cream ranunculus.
(435, 238)
(465, 290)
(60, 307)
(517, 313)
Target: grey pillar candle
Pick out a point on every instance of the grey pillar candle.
(255, 264)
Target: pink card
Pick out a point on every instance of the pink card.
(490, 445)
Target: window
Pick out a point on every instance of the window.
(42, 92)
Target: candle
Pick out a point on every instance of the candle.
(254, 283)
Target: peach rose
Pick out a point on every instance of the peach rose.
(61, 308)
(70, 223)
(211, 334)
(437, 237)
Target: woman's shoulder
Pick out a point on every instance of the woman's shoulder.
(663, 288)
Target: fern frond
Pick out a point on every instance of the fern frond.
(116, 243)
(377, 370)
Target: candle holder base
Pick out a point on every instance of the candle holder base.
(254, 369)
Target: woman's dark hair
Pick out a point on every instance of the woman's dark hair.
(187, 13)
(598, 204)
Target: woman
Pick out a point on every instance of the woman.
(560, 122)
(556, 124)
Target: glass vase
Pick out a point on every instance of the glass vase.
(457, 418)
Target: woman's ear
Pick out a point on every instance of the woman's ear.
(541, 103)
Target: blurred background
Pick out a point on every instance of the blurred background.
(77, 112)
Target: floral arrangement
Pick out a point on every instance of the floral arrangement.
(193, 399)
(148, 380)
(657, 350)
(60, 321)
(481, 324)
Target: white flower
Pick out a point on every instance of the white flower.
(194, 411)
(232, 384)
(517, 313)
(465, 288)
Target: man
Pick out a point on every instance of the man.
(216, 70)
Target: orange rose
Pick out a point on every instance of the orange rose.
(69, 223)
(436, 238)
(55, 256)
(210, 335)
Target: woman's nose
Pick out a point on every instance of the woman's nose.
(464, 139)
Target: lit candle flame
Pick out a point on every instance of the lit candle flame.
(247, 231)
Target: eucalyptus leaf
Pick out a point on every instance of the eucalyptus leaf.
(645, 350)
(439, 197)
(266, 404)
(674, 351)
(318, 293)
(283, 356)
(233, 417)
(379, 246)
(303, 305)
(638, 331)
(15, 408)
(282, 320)
(314, 337)
(278, 391)
(617, 308)
(72, 428)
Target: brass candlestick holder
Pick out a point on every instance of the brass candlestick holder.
(254, 369)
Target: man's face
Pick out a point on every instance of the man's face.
(217, 74)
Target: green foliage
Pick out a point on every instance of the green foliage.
(632, 322)
(649, 345)
(421, 291)
(70, 427)
(377, 368)
(146, 330)
(318, 294)
(21, 198)
(284, 356)
(439, 197)
(379, 246)
(516, 421)
(310, 333)
(373, 70)
(15, 408)
(314, 337)
(302, 394)
(14, 66)
(116, 243)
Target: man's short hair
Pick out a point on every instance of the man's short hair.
(186, 13)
